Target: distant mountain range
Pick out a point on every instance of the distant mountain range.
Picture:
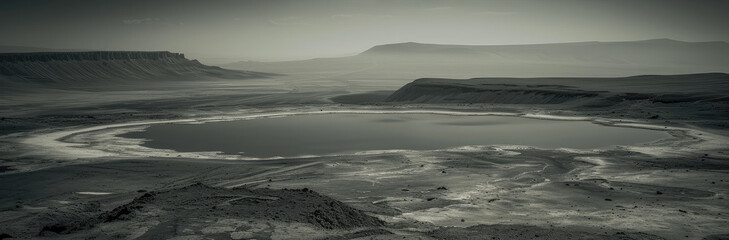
(657, 56)
(395, 63)
(649, 52)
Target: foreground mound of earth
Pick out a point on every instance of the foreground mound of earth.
(199, 211)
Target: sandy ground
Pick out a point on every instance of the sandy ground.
(66, 175)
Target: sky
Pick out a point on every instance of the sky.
(277, 30)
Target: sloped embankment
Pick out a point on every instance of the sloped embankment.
(440, 91)
(694, 88)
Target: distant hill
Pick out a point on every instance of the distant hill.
(704, 88)
(63, 69)
(655, 52)
(603, 59)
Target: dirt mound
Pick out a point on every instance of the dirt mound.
(202, 201)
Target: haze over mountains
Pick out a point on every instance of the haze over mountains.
(364, 119)
(602, 59)
(394, 63)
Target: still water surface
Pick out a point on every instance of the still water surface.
(323, 134)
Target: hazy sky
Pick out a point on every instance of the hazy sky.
(300, 29)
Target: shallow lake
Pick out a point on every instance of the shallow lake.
(324, 134)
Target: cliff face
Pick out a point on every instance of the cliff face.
(705, 88)
(451, 91)
(107, 66)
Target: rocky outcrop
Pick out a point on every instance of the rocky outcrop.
(435, 91)
(455, 91)
(667, 89)
(105, 67)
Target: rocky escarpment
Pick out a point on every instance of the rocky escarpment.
(707, 87)
(440, 91)
(64, 68)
